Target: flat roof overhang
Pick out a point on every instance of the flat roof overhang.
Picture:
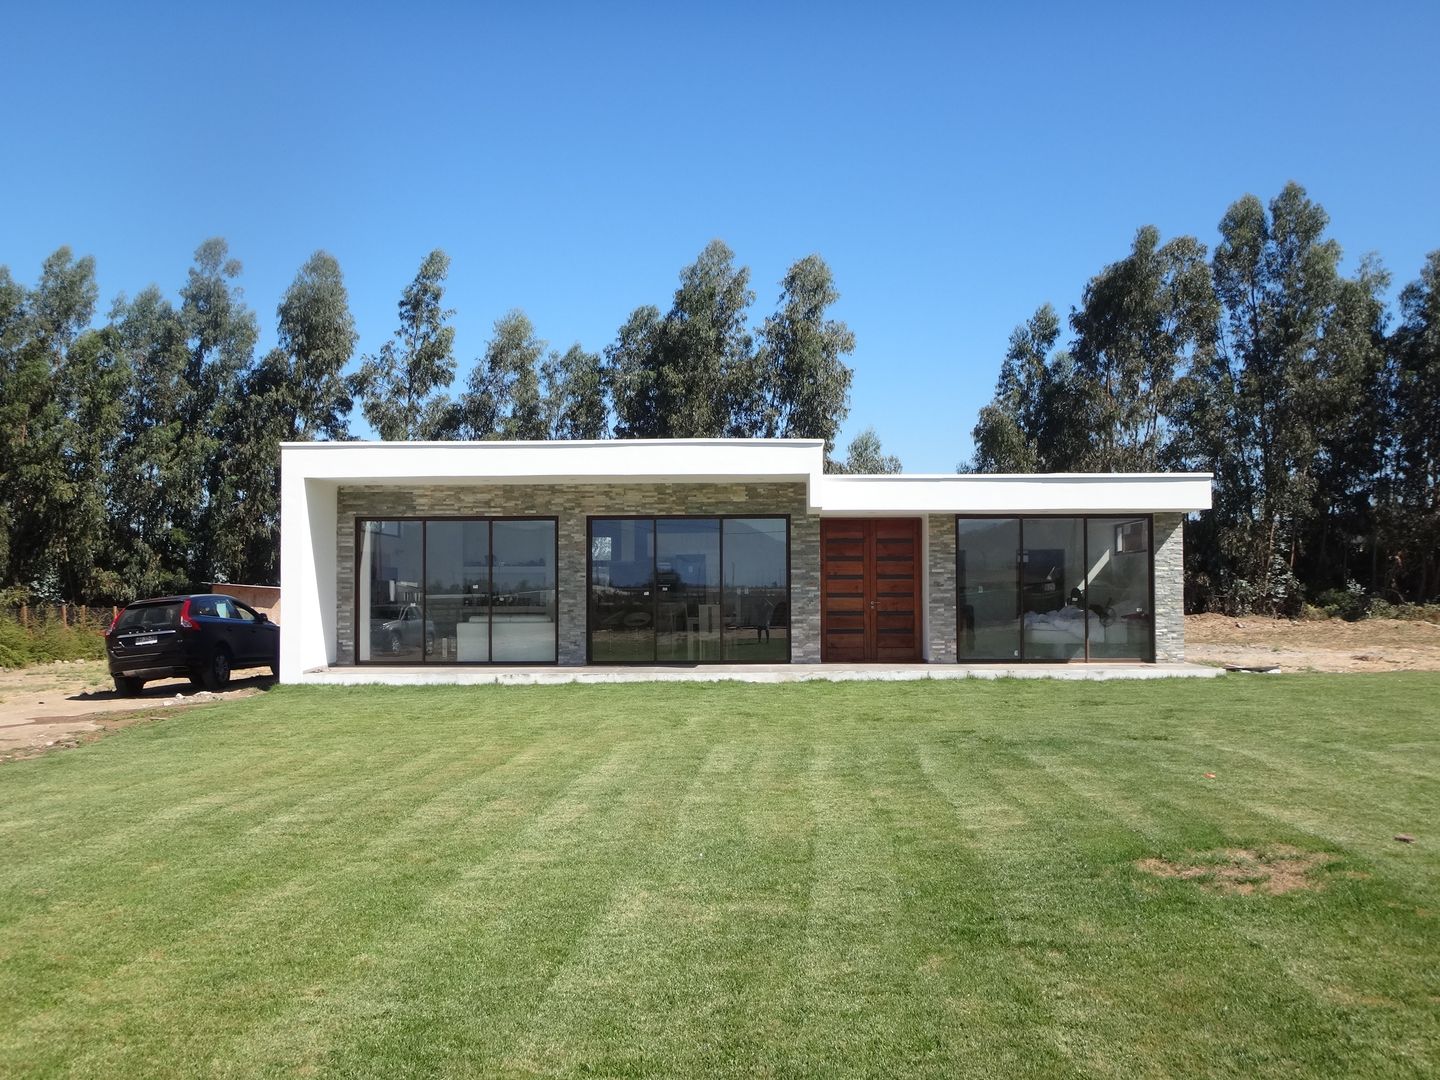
(1042, 493)
(741, 461)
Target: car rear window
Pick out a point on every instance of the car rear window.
(149, 616)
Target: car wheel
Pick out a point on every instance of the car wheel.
(275, 667)
(128, 686)
(217, 672)
(395, 642)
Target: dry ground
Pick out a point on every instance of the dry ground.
(71, 702)
(1328, 645)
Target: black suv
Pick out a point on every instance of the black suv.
(204, 636)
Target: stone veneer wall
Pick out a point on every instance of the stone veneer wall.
(1169, 544)
(940, 618)
(571, 505)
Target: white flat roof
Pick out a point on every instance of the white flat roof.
(740, 460)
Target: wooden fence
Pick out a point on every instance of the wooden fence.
(77, 615)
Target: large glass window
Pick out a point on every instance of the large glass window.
(622, 591)
(1117, 554)
(1054, 588)
(522, 591)
(456, 591)
(689, 590)
(391, 561)
(989, 589)
(756, 606)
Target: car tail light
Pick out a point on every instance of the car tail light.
(186, 623)
(111, 628)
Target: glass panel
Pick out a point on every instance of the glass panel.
(457, 590)
(1118, 588)
(1052, 589)
(622, 583)
(523, 615)
(989, 595)
(687, 583)
(391, 622)
(756, 604)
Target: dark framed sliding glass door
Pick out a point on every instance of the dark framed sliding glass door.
(1054, 589)
(456, 591)
(689, 590)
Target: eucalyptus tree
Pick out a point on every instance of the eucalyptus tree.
(298, 391)
(1142, 322)
(149, 520)
(633, 363)
(1030, 423)
(865, 456)
(41, 375)
(220, 335)
(574, 398)
(502, 395)
(1412, 503)
(801, 357)
(692, 373)
(401, 388)
(1278, 280)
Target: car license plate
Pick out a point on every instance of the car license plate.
(145, 641)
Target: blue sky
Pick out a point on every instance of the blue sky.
(955, 166)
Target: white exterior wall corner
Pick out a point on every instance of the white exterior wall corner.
(313, 473)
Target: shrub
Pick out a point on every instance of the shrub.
(45, 641)
(1383, 609)
(1349, 603)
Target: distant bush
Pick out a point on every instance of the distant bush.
(1353, 604)
(1383, 609)
(45, 641)
(1349, 603)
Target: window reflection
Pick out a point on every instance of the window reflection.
(1054, 588)
(488, 591)
(989, 594)
(687, 584)
(757, 591)
(522, 592)
(689, 590)
(1118, 588)
(392, 624)
(622, 583)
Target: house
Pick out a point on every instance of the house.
(397, 556)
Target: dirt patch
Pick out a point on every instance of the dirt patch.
(1272, 871)
(61, 706)
(1323, 645)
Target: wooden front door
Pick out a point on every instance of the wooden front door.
(870, 590)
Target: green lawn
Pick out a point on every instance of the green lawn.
(917, 879)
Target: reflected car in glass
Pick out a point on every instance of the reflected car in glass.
(396, 628)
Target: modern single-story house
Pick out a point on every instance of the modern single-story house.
(397, 556)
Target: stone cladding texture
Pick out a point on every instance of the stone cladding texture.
(1169, 544)
(940, 623)
(571, 505)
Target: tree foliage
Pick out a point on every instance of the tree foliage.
(502, 396)
(1263, 364)
(401, 388)
(801, 354)
(864, 456)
